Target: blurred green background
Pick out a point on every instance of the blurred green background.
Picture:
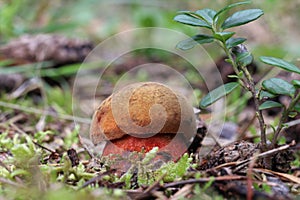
(276, 33)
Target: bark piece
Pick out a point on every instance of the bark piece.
(46, 47)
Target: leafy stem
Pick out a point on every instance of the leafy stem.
(230, 57)
(249, 85)
(240, 59)
(257, 103)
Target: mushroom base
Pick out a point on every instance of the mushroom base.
(166, 143)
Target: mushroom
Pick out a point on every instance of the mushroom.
(142, 116)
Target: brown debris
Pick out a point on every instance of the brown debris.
(237, 151)
(72, 154)
(98, 180)
(201, 133)
(46, 47)
(238, 189)
(244, 151)
(9, 82)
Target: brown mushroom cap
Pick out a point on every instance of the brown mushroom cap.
(142, 110)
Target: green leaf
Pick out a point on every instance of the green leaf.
(172, 170)
(27, 68)
(244, 59)
(182, 165)
(279, 86)
(293, 114)
(203, 38)
(242, 17)
(233, 76)
(19, 172)
(264, 94)
(191, 20)
(228, 61)
(186, 44)
(185, 12)
(223, 36)
(193, 41)
(232, 42)
(22, 152)
(209, 183)
(297, 107)
(65, 70)
(280, 63)
(269, 104)
(150, 156)
(229, 7)
(282, 140)
(296, 83)
(206, 14)
(240, 74)
(217, 94)
(7, 62)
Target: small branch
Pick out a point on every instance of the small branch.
(265, 154)
(271, 131)
(96, 179)
(283, 118)
(46, 112)
(155, 184)
(9, 182)
(43, 147)
(272, 151)
(258, 112)
(250, 179)
(292, 123)
(249, 85)
(203, 180)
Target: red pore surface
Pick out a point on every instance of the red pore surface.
(163, 141)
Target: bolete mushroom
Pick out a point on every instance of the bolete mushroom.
(142, 116)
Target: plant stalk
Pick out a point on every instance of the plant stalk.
(283, 118)
(249, 85)
(258, 112)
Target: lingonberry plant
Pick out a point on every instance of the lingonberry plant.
(239, 57)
